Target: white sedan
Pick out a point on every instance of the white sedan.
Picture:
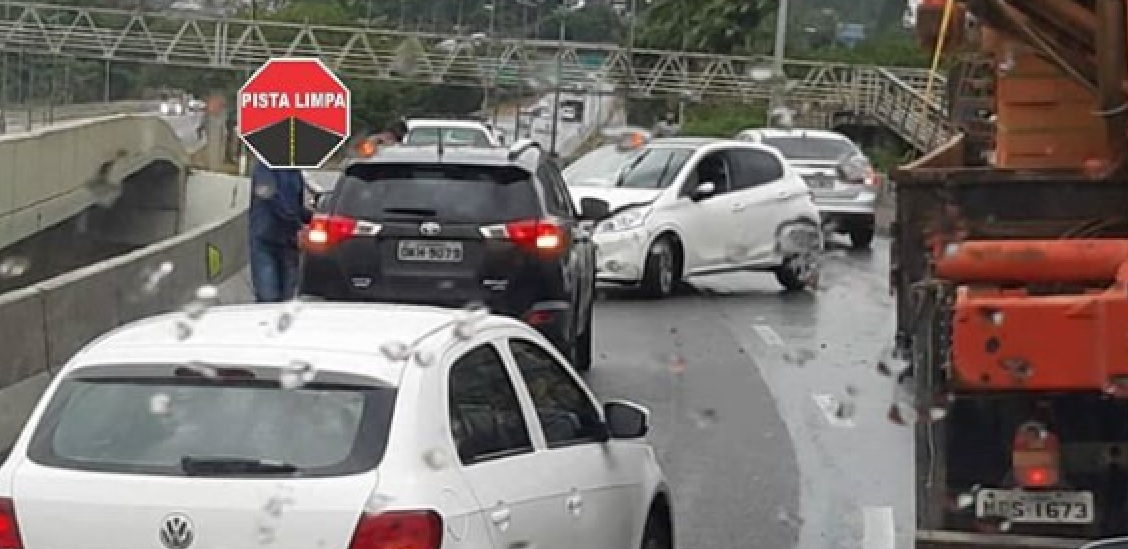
(339, 425)
(683, 207)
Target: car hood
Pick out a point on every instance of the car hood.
(616, 197)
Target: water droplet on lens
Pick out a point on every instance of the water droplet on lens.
(14, 266)
(937, 413)
(207, 293)
(201, 368)
(1005, 526)
(424, 358)
(264, 191)
(965, 501)
(395, 351)
(160, 404)
(305, 370)
(182, 329)
(290, 380)
(195, 309)
(706, 418)
(436, 459)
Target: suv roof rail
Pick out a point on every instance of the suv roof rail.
(522, 145)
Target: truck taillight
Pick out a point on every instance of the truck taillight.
(398, 530)
(1036, 456)
(9, 530)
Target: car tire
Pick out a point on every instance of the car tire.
(660, 276)
(582, 348)
(656, 534)
(797, 272)
(861, 237)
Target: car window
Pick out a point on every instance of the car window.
(567, 415)
(600, 167)
(485, 416)
(712, 167)
(556, 195)
(148, 425)
(655, 168)
(753, 168)
(451, 193)
(451, 136)
(811, 148)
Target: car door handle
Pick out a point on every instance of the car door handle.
(574, 504)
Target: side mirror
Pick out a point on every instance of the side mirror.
(703, 191)
(1110, 543)
(626, 420)
(594, 209)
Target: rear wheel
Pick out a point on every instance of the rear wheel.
(660, 276)
(657, 533)
(581, 351)
(861, 237)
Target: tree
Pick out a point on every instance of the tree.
(714, 26)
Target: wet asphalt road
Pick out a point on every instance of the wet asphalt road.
(757, 448)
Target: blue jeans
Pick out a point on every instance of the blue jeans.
(274, 271)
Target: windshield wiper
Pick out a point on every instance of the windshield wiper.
(209, 465)
(422, 212)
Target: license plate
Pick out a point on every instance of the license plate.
(1035, 507)
(424, 250)
(820, 182)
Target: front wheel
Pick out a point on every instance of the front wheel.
(660, 275)
(581, 351)
(797, 272)
(656, 534)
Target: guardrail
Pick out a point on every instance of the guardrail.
(16, 116)
(42, 326)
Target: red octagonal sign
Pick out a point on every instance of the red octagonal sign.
(294, 113)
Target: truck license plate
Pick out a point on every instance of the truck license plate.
(421, 250)
(1035, 507)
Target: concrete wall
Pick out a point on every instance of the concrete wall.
(51, 174)
(42, 326)
(16, 116)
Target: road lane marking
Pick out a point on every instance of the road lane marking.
(829, 406)
(768, 335)
(877, 528)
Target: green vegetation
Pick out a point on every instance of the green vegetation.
(722, 120)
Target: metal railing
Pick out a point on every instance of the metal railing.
(184, 39)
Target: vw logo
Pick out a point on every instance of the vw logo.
(176, 532)
(429, 228)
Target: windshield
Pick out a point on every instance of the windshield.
(811, 148)
(655, 168)
(451, 136)
(598, 168)
(148, 425)
(453, 193)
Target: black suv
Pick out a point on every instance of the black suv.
(424, 225)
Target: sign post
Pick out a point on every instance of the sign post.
(293, 113)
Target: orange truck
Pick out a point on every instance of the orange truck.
(1009, 261)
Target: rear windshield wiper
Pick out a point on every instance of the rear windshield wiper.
(207, 465)
(422, 212)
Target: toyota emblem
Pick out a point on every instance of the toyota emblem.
(429, 228)
(176, 532)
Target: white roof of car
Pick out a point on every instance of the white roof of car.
(440, 123)
(237, 332)
(795, 132)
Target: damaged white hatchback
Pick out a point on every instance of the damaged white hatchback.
(684, 207)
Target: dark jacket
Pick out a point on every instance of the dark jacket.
(277, 210)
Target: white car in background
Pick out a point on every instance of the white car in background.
(347, 425)
(684, 207)
(469, 133)
(840, 176)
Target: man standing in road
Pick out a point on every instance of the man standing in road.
(276, 216)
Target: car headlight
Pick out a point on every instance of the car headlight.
(625, 220)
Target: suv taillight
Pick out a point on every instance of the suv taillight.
(1036, 457)
(398, 530)
(536, 235)
(326, 231)
(9, 530)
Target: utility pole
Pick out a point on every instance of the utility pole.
(778, 76)
(559, 83)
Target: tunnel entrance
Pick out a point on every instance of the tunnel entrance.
(146, 209)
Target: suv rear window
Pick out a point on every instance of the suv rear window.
(149, 425)
(450, 193)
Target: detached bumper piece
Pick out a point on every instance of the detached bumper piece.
(1039, 315)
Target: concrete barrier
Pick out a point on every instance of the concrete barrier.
(42, 326)
(16, 115)
(47, 175)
